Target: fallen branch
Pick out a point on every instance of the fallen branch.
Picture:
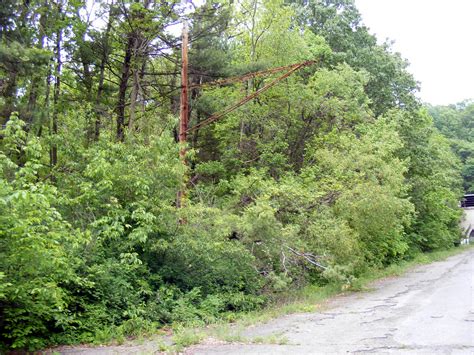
(308, 256)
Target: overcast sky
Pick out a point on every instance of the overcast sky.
(437, 38)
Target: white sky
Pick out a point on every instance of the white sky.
(437, 38)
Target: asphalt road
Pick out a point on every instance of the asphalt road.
(429, 310)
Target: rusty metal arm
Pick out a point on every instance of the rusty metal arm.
(244, 76)
(246, 99)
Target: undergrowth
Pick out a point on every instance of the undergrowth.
(230, 327)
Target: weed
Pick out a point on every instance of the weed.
(187, 337)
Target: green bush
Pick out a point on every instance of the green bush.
(36, 249)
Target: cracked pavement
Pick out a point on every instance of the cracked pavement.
(429, 310)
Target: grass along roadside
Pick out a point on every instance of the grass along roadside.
(308, 299)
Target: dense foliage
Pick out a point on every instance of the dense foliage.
(456, 122)
(336, 169)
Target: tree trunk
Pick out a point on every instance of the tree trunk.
(137, 55)
(9, 94)
(87, 79)
(45, 116)
(103, 62)
(37, 76)
(138, 66)
(123, 88)
(56, 93)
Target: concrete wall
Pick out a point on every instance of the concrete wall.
(467, 223)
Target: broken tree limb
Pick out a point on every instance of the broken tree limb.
(309, 257)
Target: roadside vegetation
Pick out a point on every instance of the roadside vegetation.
(336, 171)
(456, 122)
(310, 298)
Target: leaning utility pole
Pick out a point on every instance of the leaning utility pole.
(184, 106)
(183, 110)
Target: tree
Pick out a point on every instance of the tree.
(456, 123)
(340, 23)
(434, 180)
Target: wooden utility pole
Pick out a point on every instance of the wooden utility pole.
(184, 106)
(183, 110)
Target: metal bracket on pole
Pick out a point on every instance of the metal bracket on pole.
(184, 106)
(246, 99)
